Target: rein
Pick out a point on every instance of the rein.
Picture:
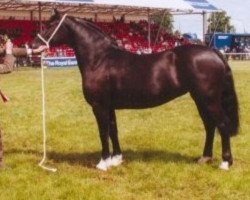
(54, 32)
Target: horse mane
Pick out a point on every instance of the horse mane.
(95, 28)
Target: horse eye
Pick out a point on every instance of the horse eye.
(48, 24)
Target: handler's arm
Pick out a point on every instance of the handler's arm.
(2, 51)
(39, 50)
(19, 52)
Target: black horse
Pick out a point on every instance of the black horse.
(113, 78)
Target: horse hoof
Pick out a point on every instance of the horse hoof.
(116, 160)
(205, 159)
(224, 165)
(104, 164)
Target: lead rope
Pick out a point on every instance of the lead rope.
(41, 164)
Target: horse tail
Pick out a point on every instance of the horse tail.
(229, 98)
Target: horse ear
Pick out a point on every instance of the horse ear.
(55, 12)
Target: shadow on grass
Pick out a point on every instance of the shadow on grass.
(90, 159)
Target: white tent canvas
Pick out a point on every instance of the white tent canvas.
(173, 5)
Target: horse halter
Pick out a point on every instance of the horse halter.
(54, 32)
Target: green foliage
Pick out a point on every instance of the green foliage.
(220, 22)
(164, 20)
(159, 145)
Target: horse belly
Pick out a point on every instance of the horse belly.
(147, 91)
(139, 99)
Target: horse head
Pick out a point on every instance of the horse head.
(55, 33)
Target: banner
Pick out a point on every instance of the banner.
(60, 62)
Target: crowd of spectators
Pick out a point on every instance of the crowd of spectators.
(132, 36)
(237, 52)
(21, 31)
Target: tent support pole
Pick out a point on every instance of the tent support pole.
(40, 16)
(31, 15)
(204, 25)
(149, 30)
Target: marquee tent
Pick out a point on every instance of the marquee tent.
(110, 6)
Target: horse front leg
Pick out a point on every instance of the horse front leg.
(102, 117)
(207, 156)
(113, 133)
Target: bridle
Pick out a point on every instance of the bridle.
(54, 32)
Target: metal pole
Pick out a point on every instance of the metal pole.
(31, 15)
(204, 17)
(149, 30)
(40, 16)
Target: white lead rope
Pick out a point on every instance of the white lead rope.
(41, 164)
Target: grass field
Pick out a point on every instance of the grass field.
(159, 146)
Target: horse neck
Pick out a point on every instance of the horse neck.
(89, 46)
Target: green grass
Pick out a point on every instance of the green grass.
(159, 146)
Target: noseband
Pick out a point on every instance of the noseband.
(55, 31)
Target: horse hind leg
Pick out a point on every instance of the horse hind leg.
(209, 125)
(223, 124)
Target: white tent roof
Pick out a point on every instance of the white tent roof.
(127, 7)
(153, 4)
(182, 5)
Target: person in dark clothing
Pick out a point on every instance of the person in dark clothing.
(1, 150)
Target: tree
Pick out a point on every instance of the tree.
(164, 20)
(220, 22)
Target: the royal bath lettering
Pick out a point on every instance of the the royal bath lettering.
(60, 62)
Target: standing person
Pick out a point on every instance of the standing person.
(11, 53)
(7, 66)
(5, 99)
(1, 150)
(9, 59)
